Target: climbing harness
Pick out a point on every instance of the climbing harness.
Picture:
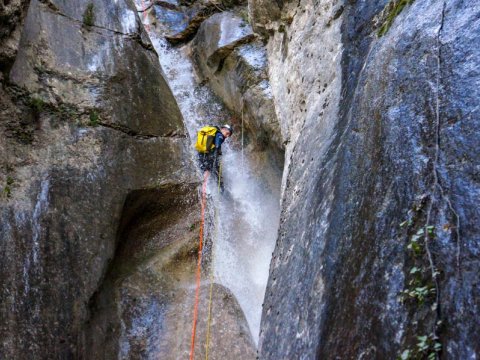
(199, 263)
(212, 262)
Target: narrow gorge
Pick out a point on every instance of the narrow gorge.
(349, 225)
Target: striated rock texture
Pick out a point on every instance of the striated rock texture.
(86, 119)
(380, 130)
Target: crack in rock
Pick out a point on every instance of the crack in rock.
(136, 36)
(138, 135)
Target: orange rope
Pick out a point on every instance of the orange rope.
(199, 264)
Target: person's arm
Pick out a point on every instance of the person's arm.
(219, 139)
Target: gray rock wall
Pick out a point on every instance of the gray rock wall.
(144, 308)
(232, 61)
(381, 130)
(234, 64)
(86, 119)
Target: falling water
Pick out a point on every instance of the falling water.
(249, 212)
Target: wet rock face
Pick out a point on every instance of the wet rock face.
(235, 65)
(385, 125)
(180, 20)
(144, 308)
(86, 118)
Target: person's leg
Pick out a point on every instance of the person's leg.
(203, 162)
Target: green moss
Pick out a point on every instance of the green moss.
(244, 15)
(89, 15)
(7, 189)
(393, 9)
(93, 119)
(37, 104)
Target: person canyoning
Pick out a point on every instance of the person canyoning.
(209, 148)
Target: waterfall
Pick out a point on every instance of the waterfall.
(249, 213)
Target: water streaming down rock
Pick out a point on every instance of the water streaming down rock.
(249, 211)
(373, 126)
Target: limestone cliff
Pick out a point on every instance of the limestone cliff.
(378, 245)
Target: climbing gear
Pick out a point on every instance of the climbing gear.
(199, 263)
(229, 128)
(212, 262)
(206, 139)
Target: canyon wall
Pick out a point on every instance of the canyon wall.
(87, 118)
(378, 240)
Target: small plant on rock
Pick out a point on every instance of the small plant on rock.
(7, 189)
(37, 104)
(89, 15)
(392, 10)
(93, 119)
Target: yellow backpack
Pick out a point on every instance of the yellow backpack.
(206, 139)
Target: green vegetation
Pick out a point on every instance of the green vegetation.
(427, 347)
(37, 104)
(7, 189)
(93, 119)
(243, 13)
(392, 10)
(421, 289)
(89, 15)
(67, 112)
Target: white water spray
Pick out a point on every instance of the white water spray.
(248, 220)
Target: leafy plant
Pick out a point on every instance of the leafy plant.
(89, 15)
(428, 344)
(7, 189)
(93, 119)
(405, 355)
(37, 104)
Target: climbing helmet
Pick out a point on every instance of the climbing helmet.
(229, 128)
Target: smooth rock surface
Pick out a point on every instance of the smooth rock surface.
(236, 68)
(86, 119)
(377, 126)
(145, 306)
